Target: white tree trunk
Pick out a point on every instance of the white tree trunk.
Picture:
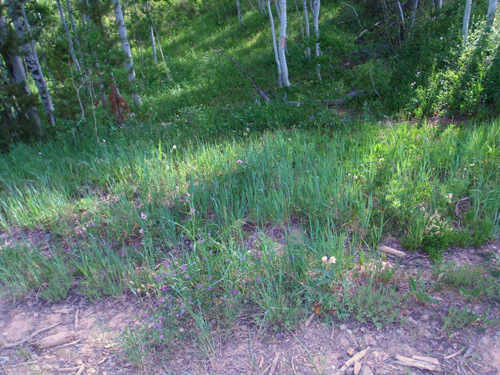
(70, 38)
(308, 29)
(315, 12)
(275, 47)
(73, 28)
(465, 25)
(151, 32)
(490, 16)
(439, 4)
(282, 43)
(238, 8)
(300, 18)
(401, 15)
(17, 74)
(31, 59)
(413, 13)
(129, 63)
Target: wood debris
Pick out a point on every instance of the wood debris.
(423, 363)
(55, 340)
(357, 368)
(455, 354)
(355, 358)
(390, 250)
(62, 311)
(275, 363)
(80, 370)
(310, 319)
(4, 345)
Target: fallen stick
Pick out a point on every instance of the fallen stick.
(76, 318)
(310, 319)
(69, 369)
(390, 250)
(418, 363)
(68, 344)
(356, 357)
(333, 332)
(259, 91)
(274, 364)
(58, 339)
(80, 371)
(19, 343)
(454, 354)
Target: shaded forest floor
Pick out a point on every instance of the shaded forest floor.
(93, 338)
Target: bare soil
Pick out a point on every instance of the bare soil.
(312, 348)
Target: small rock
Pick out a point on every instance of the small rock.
(425, 317)
(366, 371)
(343, 327)
(485, 340)
(497, 333)
(351, 352)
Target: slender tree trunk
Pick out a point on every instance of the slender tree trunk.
(413, 13)
(238, 8)
(439, 4)
(315, 11)
(465, 25)
(151, 32)
(300, 18)
(17, 74)
(308, 29)
(490, 16)
(275, 47)
(73, 28)
(282, 45)
(31, 59)
(401, 15)
(129, 63)
(70, 38)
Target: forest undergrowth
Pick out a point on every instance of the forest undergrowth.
(211, 207)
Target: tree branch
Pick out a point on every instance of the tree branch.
(261, 93)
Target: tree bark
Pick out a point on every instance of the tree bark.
(129, 63)
(17, 74)
(490, 16)
(73, 28)
(308, 29)
(30, 57)
(275, 47)
(238, 8)
(413, 13)
(465, 25)
(282, 44)
(315, 11)
(151, 33)
(68, 35)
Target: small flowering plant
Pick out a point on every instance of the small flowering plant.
(321, 285)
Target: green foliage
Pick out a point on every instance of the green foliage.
(419, 290)
(369, 303)
(473, 282)
(27, 270)
(458, 319)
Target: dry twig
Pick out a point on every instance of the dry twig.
(21, 342)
